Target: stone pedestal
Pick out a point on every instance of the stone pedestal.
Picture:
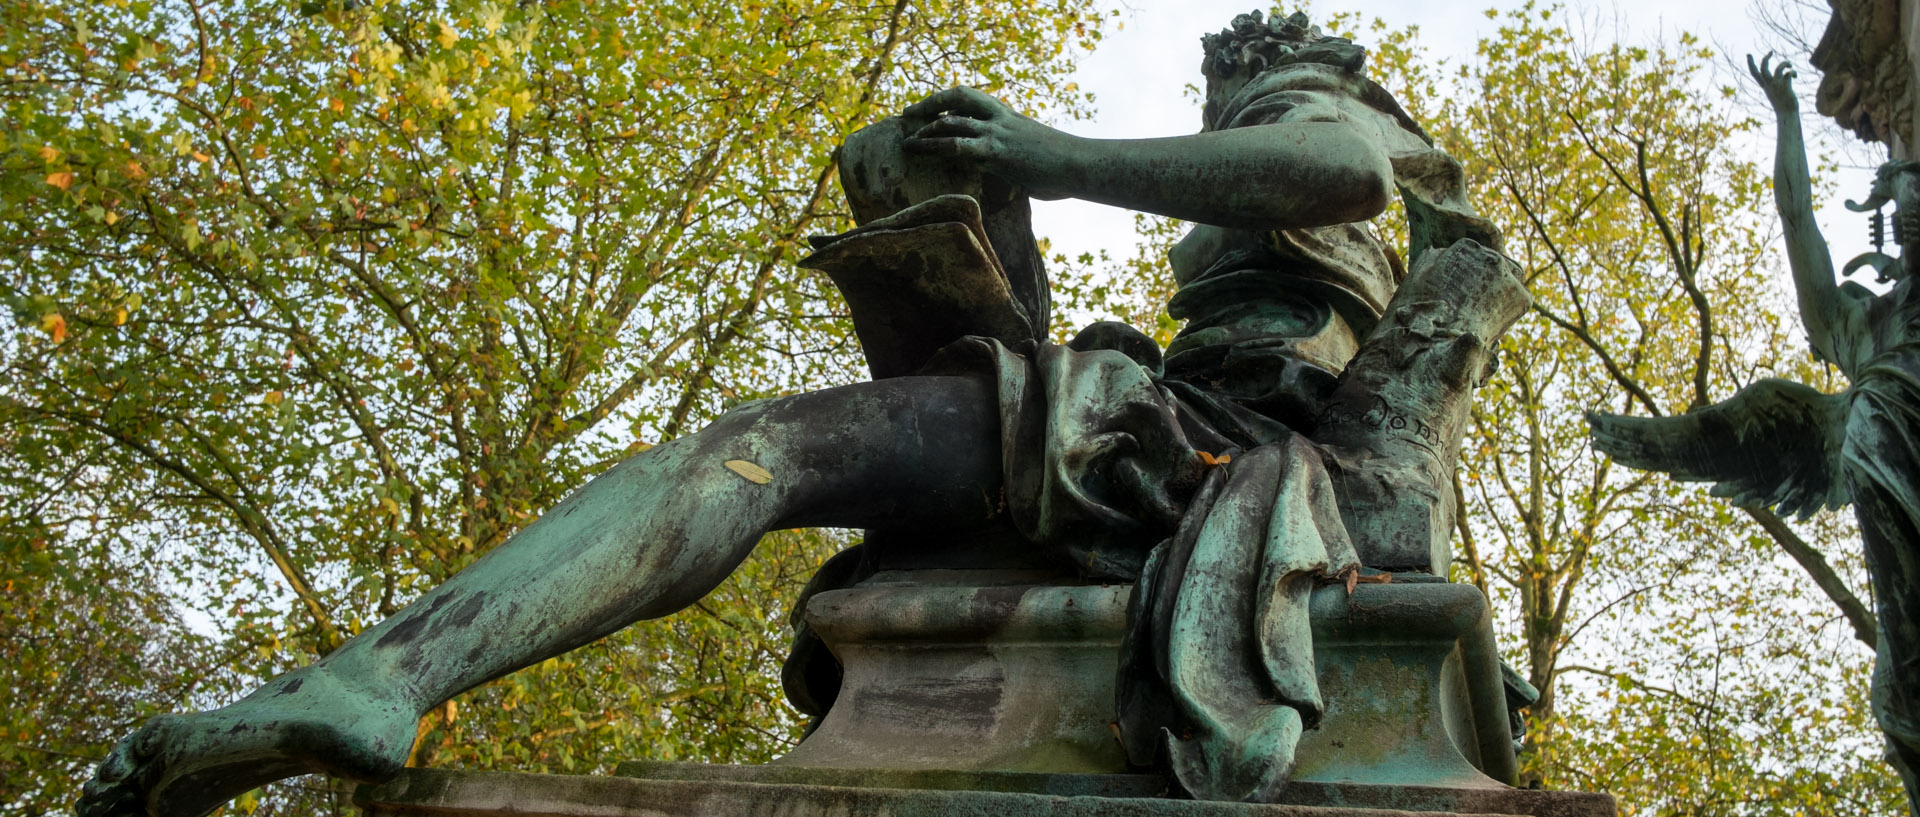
(445, 793)
(962, 697)
(970, 678)
(973, 678)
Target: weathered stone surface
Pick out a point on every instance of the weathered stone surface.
(1867, 71)
(1058, 784)
(1411, 676)
(972, 679)
(1428, 799)
(442, 793)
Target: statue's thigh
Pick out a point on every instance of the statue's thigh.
(886, 453)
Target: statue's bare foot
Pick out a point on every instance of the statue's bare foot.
(301, 723)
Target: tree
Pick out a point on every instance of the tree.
(1132, 289)
(313, 304)
(1724, 682)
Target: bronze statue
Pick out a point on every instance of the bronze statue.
(1780, 443)
(1305, 421)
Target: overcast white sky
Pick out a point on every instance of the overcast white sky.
(1139, 71)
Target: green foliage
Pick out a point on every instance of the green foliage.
(1133, 290)
(312, 304)
(88, 647)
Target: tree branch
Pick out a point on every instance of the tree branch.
(1865, 627)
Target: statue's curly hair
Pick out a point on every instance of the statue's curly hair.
(1253, 44)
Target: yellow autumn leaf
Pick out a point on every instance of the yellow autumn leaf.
(55, 325)
(753, 473)
(337, 104)
(447, 36)
(62, 180)
(201, 157)
(49, 153)
(274, 397)
(119, 314)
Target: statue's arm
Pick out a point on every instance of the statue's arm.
(1829, 311)
(1262, 177)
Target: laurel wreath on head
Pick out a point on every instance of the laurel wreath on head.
(1254, 43)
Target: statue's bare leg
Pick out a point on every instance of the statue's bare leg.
(650, 536)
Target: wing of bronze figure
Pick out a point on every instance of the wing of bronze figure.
(1775, 443)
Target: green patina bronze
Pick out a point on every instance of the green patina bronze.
(1780, 443)
(1301, 431)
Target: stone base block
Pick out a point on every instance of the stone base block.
(444, 793)
(979, 678)
(1428, 800)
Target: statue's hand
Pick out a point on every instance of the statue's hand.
(973, 126)
(1776, 81)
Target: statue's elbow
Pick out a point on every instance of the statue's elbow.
(1350, 189)
(1376, 188)
(1356, 192)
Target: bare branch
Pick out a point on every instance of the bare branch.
(1824, 577)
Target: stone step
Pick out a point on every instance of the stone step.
(1425, 799)
(449, 793)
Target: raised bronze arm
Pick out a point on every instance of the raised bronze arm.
(1830, 311)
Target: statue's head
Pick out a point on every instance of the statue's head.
(1253, 44)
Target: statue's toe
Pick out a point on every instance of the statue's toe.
(119, 786)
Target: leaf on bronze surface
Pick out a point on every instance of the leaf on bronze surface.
(753, 473)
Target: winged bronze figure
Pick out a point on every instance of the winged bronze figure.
(1775, 444)
(1788, 446)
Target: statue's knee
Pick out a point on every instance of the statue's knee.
(768, 419)
(881, 177)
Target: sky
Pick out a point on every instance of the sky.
(1139, 70)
